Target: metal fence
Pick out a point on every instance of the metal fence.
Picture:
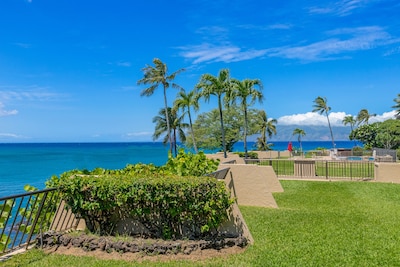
(24, 216)
(325, 169)
(385, 155)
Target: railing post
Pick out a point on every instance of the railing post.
(36, 219)
(351, 171)
(326, 169)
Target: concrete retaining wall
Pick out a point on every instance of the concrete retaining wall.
(272, 154)
(387, 172)
(253, 185)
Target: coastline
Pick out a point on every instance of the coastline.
(34, 163)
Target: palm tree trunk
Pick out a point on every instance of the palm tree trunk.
(264, 138)
(301, 147)
(167, 119)
(175, 148)
(330, 129)
(222, 125)
(245, 131)
(191, 129)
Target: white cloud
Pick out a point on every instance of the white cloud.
(337, 46)
(210, 53)
(340, 8)
(129, 88)
(335, 118)
(9, 135)
(341, 41)
(392, 51)
(124, 64)
(4, 112)
(276, 26)
(33, 93)
(138, 134)
(383, 117)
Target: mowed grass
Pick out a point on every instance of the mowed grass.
(317, 224)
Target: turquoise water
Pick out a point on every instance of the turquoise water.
(34, 163)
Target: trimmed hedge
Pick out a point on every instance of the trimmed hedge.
(165, 205)
(170, 201)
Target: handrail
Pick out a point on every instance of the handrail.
(24, 216)
(321, 169)
(28, 193)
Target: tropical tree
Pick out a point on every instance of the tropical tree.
(363, 116)
(299, 132)
(388, 135)
(157, 75)
(246, 92)
(217, 86)
(268, 128)
(384, 134)
(185, 101)
(397, 106)
(321, 106)
(349, 119)
(207, 128)
(177, 128)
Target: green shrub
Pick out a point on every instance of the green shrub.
(165, 205)
(358, 151)
(164, 199)
(189, 164)
(250, 154)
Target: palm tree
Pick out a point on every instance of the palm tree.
(321, 106)
(268, 127)
(217, 86)
(397, 106)
(363, 116)
(177, 127)
(299, 132)
(158, 75)
(349, 119)
(185, 102)
(242, 90)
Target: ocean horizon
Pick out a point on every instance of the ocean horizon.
(35, 163)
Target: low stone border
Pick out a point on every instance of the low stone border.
(134, 245)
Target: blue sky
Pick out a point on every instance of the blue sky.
(68, 69)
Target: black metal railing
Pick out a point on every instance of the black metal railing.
(326, 169)
(24, 216)
(220, 174)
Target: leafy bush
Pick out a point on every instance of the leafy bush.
(358, 151)
(188, 164)
(164, 199)
(250, 154)
(165, 205)
(5, 209)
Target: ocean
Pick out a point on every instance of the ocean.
(34, 163)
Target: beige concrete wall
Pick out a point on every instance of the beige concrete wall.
(230, 157)
(387, 172)
(253, 185)
(272, 154)
(64, 219)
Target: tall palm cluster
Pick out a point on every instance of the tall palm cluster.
(228, 91)
(362, 118)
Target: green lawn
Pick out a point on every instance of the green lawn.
(317, 224)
